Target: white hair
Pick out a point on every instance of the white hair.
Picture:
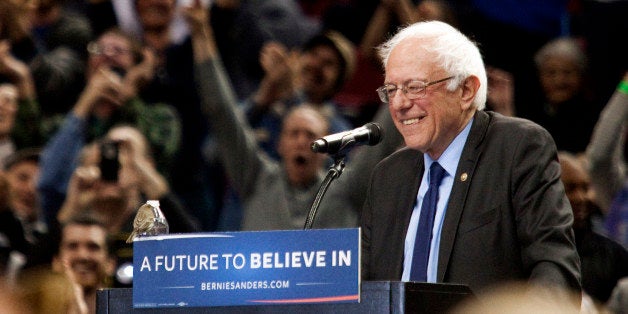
(455, 53)
(564, 47)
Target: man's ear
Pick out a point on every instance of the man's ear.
(470, 87)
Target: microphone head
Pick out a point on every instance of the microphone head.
(339, 143)
(375, 133)
(319, 146)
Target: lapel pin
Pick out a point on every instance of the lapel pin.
(463, 177)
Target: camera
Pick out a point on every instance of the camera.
(109, 162)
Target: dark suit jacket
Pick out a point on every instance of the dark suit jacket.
(507, 218)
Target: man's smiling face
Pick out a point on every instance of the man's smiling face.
(84, 249)
(427, 123)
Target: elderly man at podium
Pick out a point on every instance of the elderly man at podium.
(475, 198)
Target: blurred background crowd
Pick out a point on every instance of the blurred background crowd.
(78, 77)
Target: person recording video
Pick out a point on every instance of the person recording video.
(115, 175)
(116, 70)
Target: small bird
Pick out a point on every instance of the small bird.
(144, 221)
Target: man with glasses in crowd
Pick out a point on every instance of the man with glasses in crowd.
(497, 211)
(116, 69)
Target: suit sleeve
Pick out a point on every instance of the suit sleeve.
(543, 213)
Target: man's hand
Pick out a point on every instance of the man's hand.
(280, 66)
(138, 169)
(81, 191)
(103, 86)
(139, 75)
(78, 304)
(17, 71)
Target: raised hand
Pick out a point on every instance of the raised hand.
(78, 304)
(197, 16)
(139, 75)
(137, 168)
(81, 190)
(103, 86)
(279, 64)
(17, 71)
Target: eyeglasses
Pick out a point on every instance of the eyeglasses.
(413, 89)
(98, 49)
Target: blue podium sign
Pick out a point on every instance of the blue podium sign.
(247, 268)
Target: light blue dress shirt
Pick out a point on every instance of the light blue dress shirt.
(449, 161)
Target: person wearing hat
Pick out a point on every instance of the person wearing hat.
(313, 75)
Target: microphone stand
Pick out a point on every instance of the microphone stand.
(334, 172)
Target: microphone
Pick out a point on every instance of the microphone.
(369, 134)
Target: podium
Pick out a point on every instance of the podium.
(376, 297)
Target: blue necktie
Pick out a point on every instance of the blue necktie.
(421, 254)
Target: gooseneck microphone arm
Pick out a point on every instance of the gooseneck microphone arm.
(334, 172)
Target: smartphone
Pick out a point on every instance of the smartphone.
(109, 163)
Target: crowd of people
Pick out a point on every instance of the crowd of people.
(212, 106)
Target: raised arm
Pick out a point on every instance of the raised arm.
(380, 22)
(604, 152)
(241, 157)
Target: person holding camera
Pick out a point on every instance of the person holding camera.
(115, 175)
(115, 73)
